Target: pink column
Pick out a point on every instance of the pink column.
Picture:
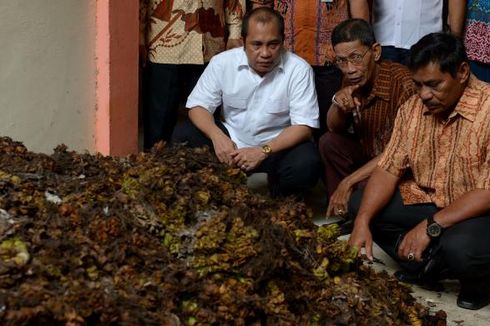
(117, 77)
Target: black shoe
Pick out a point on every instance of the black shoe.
(417, 279)
(474, 295)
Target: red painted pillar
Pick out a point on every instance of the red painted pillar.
(117, 77)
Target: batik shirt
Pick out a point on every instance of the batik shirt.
(309, 25)
(392, 87)
(446, 159)
(188, 31)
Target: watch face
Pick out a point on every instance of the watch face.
(434, 230)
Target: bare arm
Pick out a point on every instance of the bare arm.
(456, 16)
(471, 204)
(379, 190)
(204, 121)
(359, 9)
(289, 137)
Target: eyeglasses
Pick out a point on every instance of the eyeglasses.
(355, 59)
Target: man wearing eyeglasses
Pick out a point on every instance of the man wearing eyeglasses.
(361, 117)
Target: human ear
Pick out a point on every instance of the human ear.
(376, 48)
(464, 72)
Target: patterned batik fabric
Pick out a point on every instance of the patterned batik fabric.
(392, 87)
(477, 32)
(188, 31)
(446, 159)
(309, 25)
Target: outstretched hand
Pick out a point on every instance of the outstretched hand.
(337, 205)
(361, 237)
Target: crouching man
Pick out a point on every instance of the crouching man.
(269, 107)
(427, 204)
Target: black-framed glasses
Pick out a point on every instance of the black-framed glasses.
(355, 59)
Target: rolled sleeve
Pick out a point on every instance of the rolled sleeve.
(208, 91)
(303, 99)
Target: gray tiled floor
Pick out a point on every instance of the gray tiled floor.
(445, 300)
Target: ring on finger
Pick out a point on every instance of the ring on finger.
(411, 256)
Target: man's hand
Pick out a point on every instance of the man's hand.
(346, 100)
(415, 242)
(248, 158)
(223, 147)
(361, 237)
(234, 43)
(337, 205)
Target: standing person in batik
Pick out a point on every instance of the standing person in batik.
(178, 38)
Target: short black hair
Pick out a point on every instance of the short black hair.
(446, 49)
(351, 30)
(263, 15)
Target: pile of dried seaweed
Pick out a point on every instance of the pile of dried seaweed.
(173, 237)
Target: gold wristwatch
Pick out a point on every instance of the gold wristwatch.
(267, 150)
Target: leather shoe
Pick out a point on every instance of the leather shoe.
(474, 295)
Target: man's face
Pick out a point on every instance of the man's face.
(440, 91)
(263, 46)
(357, 61)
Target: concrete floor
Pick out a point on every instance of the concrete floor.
(445, 300)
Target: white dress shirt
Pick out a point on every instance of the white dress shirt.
(257, 109)
(401, 23)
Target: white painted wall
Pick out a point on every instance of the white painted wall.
(48, 73)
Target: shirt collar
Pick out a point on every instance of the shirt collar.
(468, 103)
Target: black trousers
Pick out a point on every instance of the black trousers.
(463, 249)
(290, 172)
(164, 86)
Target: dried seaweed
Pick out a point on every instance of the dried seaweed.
(173, 237)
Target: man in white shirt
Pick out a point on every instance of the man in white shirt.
(398, 24)
(269, 108)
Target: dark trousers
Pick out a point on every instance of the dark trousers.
(395, 54)
(328, 80)
(165, 85)
(341, 154)
(290, 172)
(463, 250)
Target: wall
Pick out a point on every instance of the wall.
(48, 73)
